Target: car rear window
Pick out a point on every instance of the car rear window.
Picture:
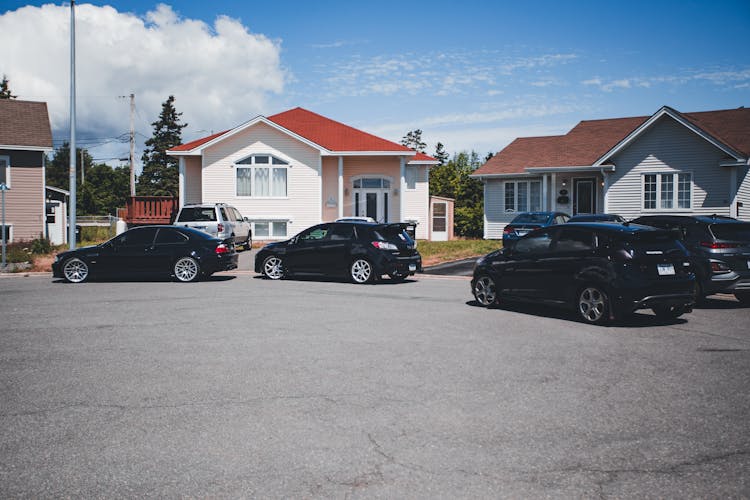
(653, 241)
(391, 233)
(531, 219)
(734, 231)
(200, 214)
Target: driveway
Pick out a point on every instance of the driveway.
(244, 387)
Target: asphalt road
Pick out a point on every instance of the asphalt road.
(243, 387)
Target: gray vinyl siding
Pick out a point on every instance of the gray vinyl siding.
(495, 217)
(670, 147)
(743, 194)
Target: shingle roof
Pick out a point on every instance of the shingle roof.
(327, 133)
(24, 123)
(591, 139)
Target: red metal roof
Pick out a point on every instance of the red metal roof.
(327, 133)
(591, 139)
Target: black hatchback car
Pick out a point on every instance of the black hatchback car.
(720, 248)
(184, 253)
(361, 251)
(602, 270)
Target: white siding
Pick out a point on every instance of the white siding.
(670, 147)
(495, 216)
(417, 203)
(743, 195)
(302, 206)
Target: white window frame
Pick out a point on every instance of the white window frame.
(7, 169)
(270, 223)
(528, 208)
(256, 166)
(675, 192)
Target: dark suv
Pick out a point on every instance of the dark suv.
(602, 270)
(362, 251)
(528, 221)
(720, 249)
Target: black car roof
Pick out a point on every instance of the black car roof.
(614, 227)
(704, 219)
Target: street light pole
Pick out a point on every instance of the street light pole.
(72, 155)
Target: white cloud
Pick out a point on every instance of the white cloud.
(735, 78)
(220, 75)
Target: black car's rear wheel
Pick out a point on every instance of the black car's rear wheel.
(273, 267)
(75, 270)
(361, 271)
(187, 269)
(743, 297)
(668, 312)
(593, 305)
(485, 291)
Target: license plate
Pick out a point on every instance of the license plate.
(665, 269)
(412, 267)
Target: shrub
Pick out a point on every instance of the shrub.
(40, 246)
(17, 252)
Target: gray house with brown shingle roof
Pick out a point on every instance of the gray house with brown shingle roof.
(670, 162)
(25, 139)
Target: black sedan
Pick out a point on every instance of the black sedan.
(361, 251)
(181, 252)
(602, 270)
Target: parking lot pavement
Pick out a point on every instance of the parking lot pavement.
(240, 386)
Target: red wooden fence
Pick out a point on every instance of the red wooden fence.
(149, 210)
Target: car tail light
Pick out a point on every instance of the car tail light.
(384, 245)
(222, 249)
(714, 244)
(720, 267)
(508, 229)
(220, 227)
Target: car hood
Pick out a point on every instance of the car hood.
(76, 251)
(277, 244)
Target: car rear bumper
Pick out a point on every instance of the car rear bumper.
(726, 282)
(401, 265)
(222, 263)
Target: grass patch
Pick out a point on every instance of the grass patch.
(435, 252)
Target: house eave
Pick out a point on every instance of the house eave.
(43, 149)
(326, 152)
(581, 168)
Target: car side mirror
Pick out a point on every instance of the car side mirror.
(246, 219)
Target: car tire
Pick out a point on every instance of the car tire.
(273, 267)
(668, 312)
(743, 297)
(361, 271)
(187, 269)
(485, 291)
(593, 305)
(698, 294)
(248, 244)
(75, 270)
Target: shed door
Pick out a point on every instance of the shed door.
(439, 221)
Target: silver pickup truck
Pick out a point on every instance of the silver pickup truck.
(219, 220)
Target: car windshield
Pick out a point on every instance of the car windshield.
(733, 232)
(189, 214)
(531, 219)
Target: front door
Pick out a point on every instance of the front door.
(439, 221)
(372, 203)
(584, 196)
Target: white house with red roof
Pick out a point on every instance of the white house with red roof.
(295, 169)
(669, 162)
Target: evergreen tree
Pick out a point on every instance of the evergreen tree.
(489, 156)
(452, 181)
(5, 92)
(414, 141)
(106, 189)
(160, 176)
(441, 154)
(57, 170)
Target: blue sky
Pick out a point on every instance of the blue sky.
(471, 74)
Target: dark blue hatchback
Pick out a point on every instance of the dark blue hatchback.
(526, 222)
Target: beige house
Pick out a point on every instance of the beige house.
(25, 139)
(292, 170)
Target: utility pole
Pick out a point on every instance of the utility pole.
(72, 155)
(132, 144)
(83, 173)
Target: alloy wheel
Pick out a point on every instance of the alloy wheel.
(361, 271)
(272, 268)
(485, 291)
(75, 270)
(186, 269)
(592, 305)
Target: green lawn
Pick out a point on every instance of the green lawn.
(434, 252)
